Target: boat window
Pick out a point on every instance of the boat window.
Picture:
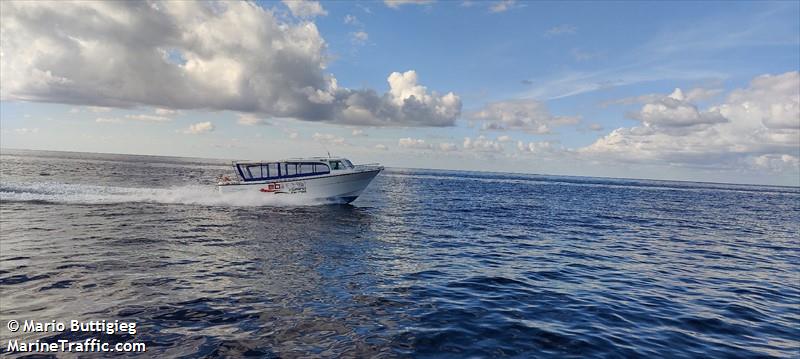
(305, 169)
(348, 163)
(337, 165)
(255, 171)
(291, 169)
(272, 170)
(321, 168)
(244, 173)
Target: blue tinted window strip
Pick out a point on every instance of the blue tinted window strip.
(323, 169)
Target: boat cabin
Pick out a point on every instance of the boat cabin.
(263, 171)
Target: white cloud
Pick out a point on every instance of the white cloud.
(504, 138)
(165, 112)
(200, 127)
(98, 109)
(531, 116)
(394, 4)
(776, 163)
(420, 144)
(406, 103)
(305, 8)
(482, 144)
(772, 100)
(761, 127)
(147, 118)
(328, 138)
(174, 55)
(502, 6)
(359, 37)
(564, 29)
(674, 111)
(136, 117)
(535, 147)
(381, 147)
(351, 20)
(414, 143)
(448, 147)
(702, 94)
(358, 132)
(248, 119)
(293, 135)
(694, 95)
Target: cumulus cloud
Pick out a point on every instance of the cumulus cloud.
(305, 8)
(775, 163)
(675, 111)
(448, 147)
(504, 138)
(503, 6)
(198, 128)
(358, 132)
(420, 144)
(702, 94)
(482, 144)
(415, 143)
(772, 100)
(248, 119)
(394, 4)
(175, 55)
(758, 125)
(381, 147)
(535, 147)
(531, 116)
(696, 94)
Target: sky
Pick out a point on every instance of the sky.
(698, 91)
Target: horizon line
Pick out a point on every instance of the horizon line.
(437, 169)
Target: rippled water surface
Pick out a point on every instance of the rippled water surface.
(425, 264)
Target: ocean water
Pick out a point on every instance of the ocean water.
(426, 263)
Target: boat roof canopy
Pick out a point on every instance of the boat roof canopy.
(295, 160)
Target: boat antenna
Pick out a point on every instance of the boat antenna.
(325, 148)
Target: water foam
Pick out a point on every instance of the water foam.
(54, 192)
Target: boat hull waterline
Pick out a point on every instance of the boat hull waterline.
(334, 188)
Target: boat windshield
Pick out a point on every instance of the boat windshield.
(341, 165)
(279, 170)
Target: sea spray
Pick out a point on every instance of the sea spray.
(55, 192)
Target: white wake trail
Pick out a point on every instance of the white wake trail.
(55, 192)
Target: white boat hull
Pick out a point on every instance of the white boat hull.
(333, 188)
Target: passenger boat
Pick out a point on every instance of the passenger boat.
(326, 179)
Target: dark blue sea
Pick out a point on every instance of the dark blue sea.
(427, 263)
